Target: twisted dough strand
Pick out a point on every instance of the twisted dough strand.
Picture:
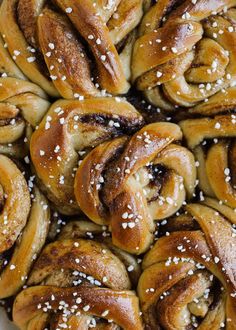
(7, 65)
(16, 44)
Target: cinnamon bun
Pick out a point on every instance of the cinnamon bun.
(127, 183)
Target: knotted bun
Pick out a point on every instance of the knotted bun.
(188, 277)
(68, 131)
(129, 183)
(80, 283)
(185, 52)
(72, 48)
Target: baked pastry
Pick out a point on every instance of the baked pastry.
(212, 140)
(185, 52)
(22, 107)
(24, 227)
(47, 41)
(68, 131)
(188, 278)
(127, 183)
(92, 290)
(157, 184)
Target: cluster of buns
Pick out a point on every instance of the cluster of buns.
(118, 164)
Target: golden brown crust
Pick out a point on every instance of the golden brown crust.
(126, 17)
(182, 37)
(142, 148)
